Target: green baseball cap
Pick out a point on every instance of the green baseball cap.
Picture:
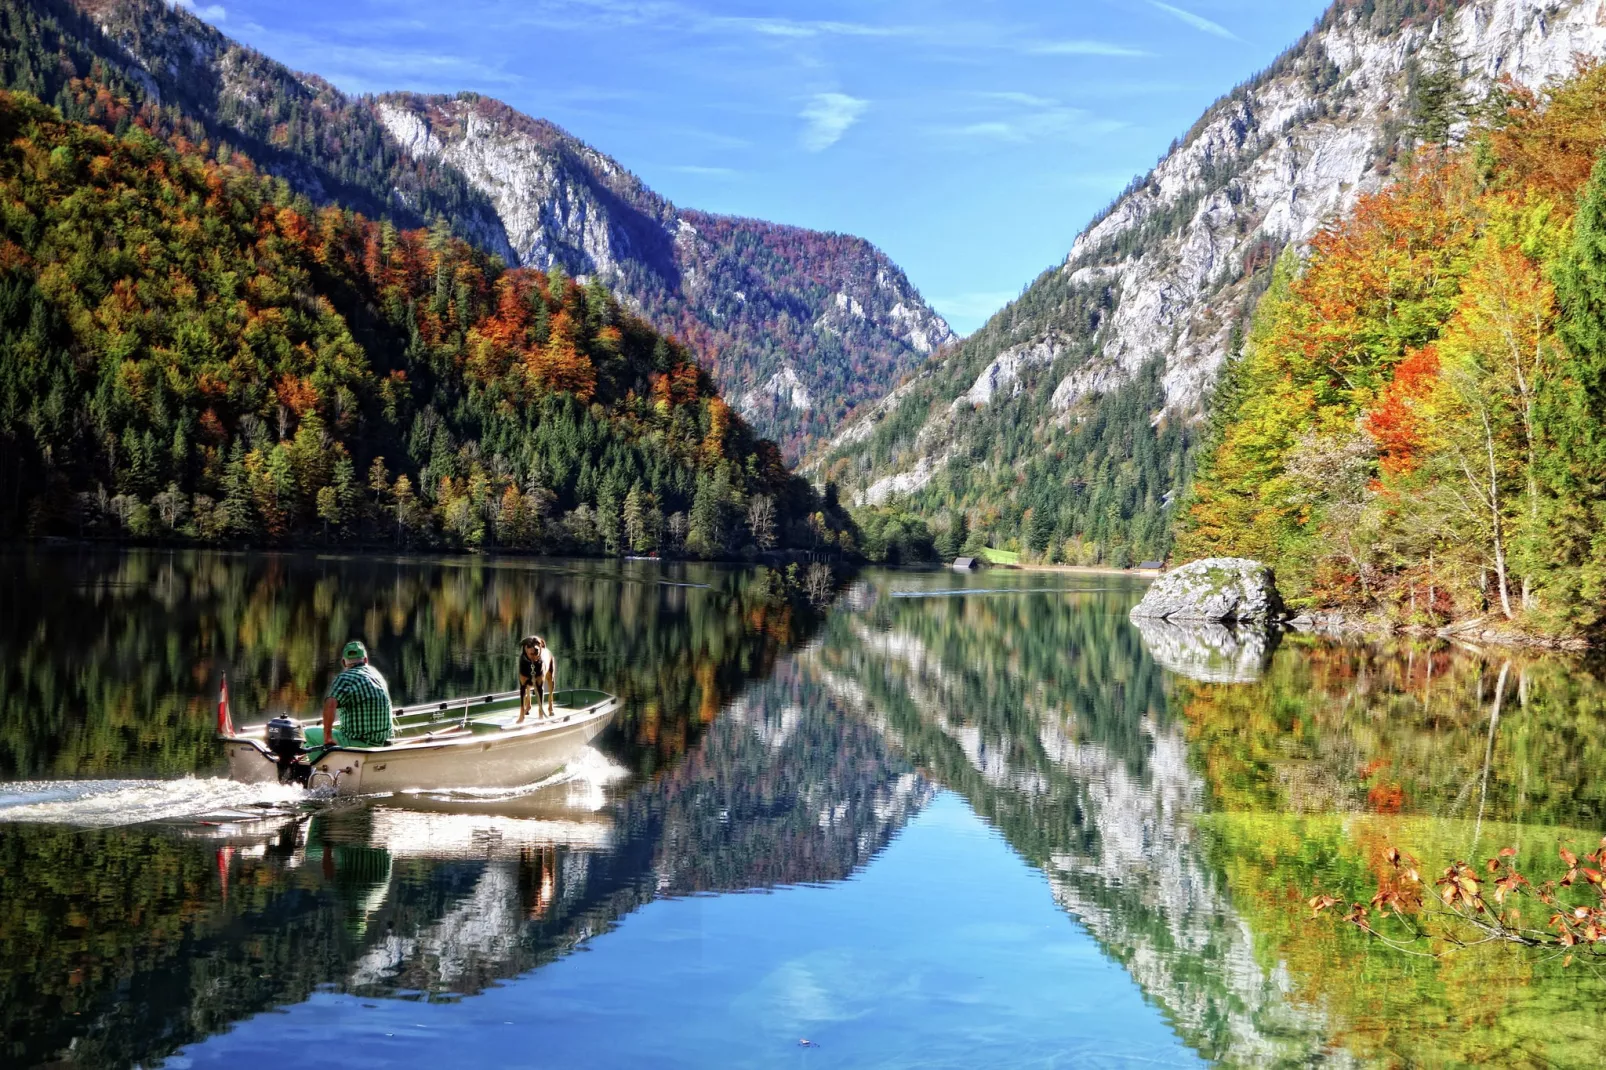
(355, 651)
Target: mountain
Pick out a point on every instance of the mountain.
(190, 350)
(1065, 425)
(798, 326)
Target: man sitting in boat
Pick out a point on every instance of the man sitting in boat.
(361, 698)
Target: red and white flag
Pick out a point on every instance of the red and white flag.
(225, 722)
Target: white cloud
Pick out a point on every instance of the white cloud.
(1031, 118)
(779, 27)
(1086, 48)
(705, 172)
(1029, 100)
(827, 117)
(1198, 22)
(209, 12)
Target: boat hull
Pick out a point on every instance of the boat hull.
(494, 755)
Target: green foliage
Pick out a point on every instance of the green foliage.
(174, 326)
(894, 536)
(1571, 419)
(1438, 92)
(325, 145)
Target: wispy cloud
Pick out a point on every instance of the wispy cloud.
(779, 27)
(209, 12)
(1028, 117)
(1030, 100)
(705, 172)
(1198, 22)
(967, 311)
(1086, 48)
(827, 116)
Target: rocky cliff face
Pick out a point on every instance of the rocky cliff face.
(1171, 271)
(798, 326)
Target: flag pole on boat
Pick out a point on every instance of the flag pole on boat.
(225, 722)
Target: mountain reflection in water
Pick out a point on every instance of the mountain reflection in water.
(1179, 793)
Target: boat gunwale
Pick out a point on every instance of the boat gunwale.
(607, 706)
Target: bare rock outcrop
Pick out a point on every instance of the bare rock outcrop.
(1232, 590)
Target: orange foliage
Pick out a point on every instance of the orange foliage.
(1397, 422)
(1548, 141)
(1381, 282)
(297, 395)
(719, 419)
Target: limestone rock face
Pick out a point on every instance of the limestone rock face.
(1222, 589)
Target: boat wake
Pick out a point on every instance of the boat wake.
(580, 785)
(110, 803)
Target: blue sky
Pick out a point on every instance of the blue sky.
(970, 139)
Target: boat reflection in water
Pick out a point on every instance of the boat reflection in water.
(127, 944)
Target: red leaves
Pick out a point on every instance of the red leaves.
(1396, 423)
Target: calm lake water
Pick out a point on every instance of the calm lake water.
(960, 821)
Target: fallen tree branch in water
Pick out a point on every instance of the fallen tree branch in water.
(1458, 901)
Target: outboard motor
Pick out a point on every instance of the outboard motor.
(289, 745)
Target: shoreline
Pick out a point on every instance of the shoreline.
(1081, 570)
(1335, 625)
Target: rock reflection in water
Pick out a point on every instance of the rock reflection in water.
(1209, 652)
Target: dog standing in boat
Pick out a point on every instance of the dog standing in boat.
(537, 672)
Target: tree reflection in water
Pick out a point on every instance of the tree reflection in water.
(125, 944)
(1185, 820)
(1181, 802)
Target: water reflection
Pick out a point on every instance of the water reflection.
(109, 662)
(1181, 795)
(1208, 652)
(1047, 714)
(123, 945)
(1184, 793)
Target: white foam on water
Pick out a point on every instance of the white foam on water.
(108, 803)
(581, 782)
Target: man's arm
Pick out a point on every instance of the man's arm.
(329, 721)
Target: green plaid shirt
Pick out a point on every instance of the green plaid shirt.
(363, 705)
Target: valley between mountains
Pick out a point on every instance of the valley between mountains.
(1212, 369)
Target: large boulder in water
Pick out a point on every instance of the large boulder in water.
(1224, 589)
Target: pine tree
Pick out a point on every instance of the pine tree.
(1440, 98)
(1039, 530)
(239, 518)
(1571, 423)
(636, 526)
(705, 532)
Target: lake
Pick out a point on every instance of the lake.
(955, 821)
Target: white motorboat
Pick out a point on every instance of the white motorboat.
(472, 742)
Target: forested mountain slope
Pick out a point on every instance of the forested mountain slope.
(1415, 427)
(1069, 417)
(181, 77)
(190, 349)
(799, 326)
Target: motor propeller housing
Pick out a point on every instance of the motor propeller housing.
(288, 744)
